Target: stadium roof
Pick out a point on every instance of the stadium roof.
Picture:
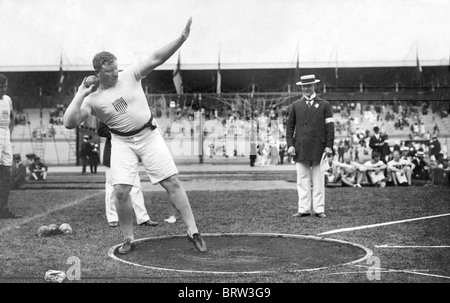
(250, 34)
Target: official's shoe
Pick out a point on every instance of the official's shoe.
(198, 242)
(320, 215)
(126, 247)
(8, 214)
(301, 215)
(113, 224)
(149, 223)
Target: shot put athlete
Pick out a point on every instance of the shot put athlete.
(120, 103)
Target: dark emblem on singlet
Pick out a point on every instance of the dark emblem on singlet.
(120, 105)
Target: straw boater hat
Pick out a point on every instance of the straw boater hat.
(308, 79)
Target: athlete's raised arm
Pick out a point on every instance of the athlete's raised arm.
(161, 55)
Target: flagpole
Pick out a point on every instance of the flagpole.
(336, 66)
(40, 106)
(219, 77)
(200, 156)
(419, 68)
(297, 67)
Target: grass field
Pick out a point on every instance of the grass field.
(79, 201)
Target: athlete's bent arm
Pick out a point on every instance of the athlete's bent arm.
(74, 114)
(161, 55)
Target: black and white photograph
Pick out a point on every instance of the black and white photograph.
(224, 147)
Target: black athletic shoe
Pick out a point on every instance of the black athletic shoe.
(149, 223)
(8, 214)
(126, 247)
(198, 242)
(301, 215)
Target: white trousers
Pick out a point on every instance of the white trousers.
(310, 200)
(137, 199)
(6, 153)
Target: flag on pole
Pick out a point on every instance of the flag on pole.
(419, 67)
(449, 62)
(177, 81)
(336, 65)
(418, 70)
(61, 75)
(219, 78)
(297, 67)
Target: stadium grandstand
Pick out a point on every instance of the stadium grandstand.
(239, 66)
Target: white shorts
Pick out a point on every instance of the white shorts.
(6, 156)
(148, 145)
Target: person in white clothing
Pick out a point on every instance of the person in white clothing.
(375, 170)
(400, 169)
(351, 172)
(120, 102)
(6, 155)
(137, 198)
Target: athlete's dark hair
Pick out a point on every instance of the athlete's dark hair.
(102, 58)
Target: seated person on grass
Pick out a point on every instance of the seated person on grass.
(375, 170)
(18, 172)
(38, 170)
(421, 169)
(439, 170)
(333, 174)
(352, 172)
(400, 170)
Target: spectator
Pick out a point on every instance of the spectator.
(253, 152)
(421, 169)
(333, 174)
(422, 129)
(439, 171)
(38, 170)
(400, 170)
(94, 159)
(352, 172)
(283, 149)
(274, 153)
(356, 148)
(385, 148)
(434, 147)
(84, 153)
(30, 160)
(18, 172)
(376, 143)
(341, 151)
(375, 170)
(435, 129)
(405, 153)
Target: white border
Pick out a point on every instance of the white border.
(379, 224)
(369, 252)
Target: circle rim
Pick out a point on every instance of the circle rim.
(368, 251)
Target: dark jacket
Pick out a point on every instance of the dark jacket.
(103, 131)
(307, 130)
(85, 149)
(435, 148)
(378, 148)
